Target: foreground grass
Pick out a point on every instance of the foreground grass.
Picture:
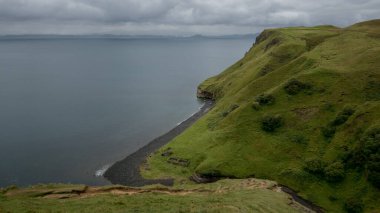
(249, 195)
(340, 70)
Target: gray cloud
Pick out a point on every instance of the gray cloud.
(176, 16)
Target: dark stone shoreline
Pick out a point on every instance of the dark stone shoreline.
(127, 171)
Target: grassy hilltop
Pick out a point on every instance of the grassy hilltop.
(302, 107)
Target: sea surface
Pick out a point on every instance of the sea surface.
(71, 107)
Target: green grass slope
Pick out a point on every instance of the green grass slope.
(250, 195)
(302, 107)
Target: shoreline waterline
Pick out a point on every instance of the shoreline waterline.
(127, 170)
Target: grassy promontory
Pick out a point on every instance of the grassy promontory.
(302, 107)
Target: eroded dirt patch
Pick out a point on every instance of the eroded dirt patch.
(306, 113)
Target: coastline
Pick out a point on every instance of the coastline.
(127, 170)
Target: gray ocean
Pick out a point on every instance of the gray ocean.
(71, 107)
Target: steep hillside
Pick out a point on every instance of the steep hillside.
(302, 107)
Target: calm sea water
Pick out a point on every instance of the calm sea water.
(70, 107)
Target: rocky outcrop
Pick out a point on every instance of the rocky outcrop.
(202, 94)
(179, 161)
(264, 35)
(198, 178)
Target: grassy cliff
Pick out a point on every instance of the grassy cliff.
(302, 107)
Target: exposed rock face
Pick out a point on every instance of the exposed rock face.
(204, 94)
(203, 179)
(264, 35)
(179, 161)
(167, 152)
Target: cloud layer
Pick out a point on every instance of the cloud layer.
(176, 17)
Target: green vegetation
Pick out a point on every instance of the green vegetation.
(250, 195)
(265, 99)
(367, 155)
(329, 131)
(343, 116)
(270, 123)
(315, 166)
(293, 87)
(354, 205)
(324, 82)
(334, 172)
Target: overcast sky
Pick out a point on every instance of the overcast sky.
(176, 17)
